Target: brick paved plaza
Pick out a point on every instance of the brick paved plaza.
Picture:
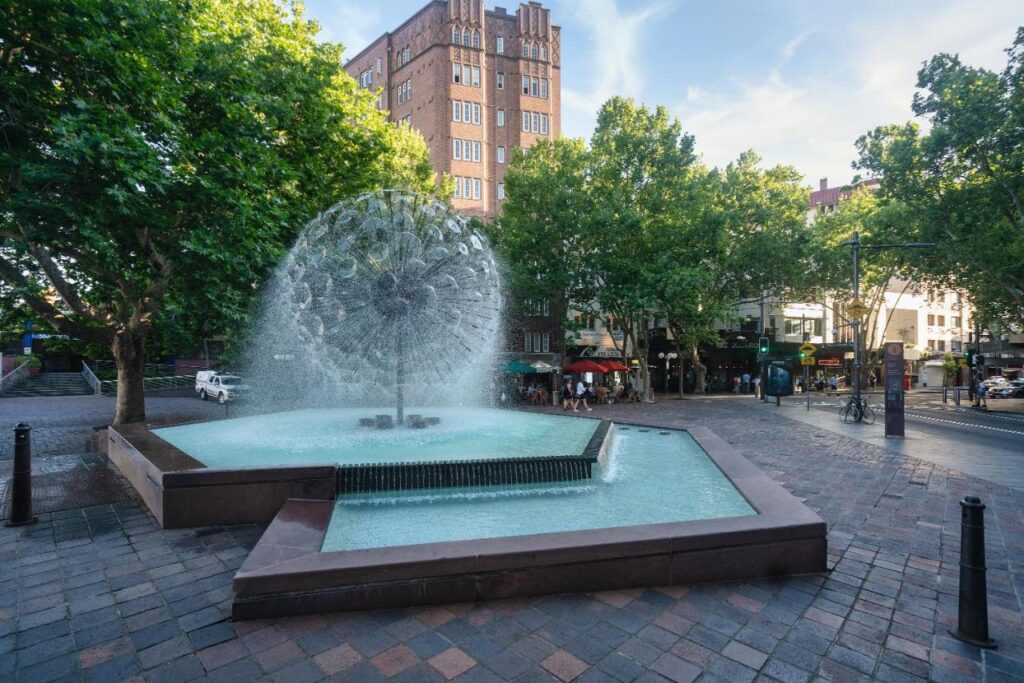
(101, 593)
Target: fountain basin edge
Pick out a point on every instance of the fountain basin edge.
(286, 573)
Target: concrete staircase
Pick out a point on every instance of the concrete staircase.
(51, 384)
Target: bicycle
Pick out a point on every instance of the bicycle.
(857, 410)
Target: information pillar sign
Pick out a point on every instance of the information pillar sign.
(893, 388)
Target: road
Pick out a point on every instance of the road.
(983, 444)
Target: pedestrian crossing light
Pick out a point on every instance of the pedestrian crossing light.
(762, 345)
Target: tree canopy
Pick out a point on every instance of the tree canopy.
(158, 156)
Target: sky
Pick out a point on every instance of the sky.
(797, 81)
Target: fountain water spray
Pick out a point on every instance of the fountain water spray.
(383, 294)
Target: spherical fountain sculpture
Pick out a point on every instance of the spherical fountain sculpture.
(387, 291)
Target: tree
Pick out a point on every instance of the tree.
(962, 181)
(161, 153)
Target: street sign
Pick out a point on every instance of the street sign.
(808, 349)
(856, 309)
(807, 361)
(828, 361)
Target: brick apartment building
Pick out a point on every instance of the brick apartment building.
(475, 83)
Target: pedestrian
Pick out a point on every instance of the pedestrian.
(872, 380)
(833, 384)
(567, 394)
(982, 392)
(746, 382)
(757, 386)
(581, 396)
(736, 384)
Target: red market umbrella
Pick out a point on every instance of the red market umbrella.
(614, 366)
(585, 366)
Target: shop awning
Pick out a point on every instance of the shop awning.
(514, 366)
(585, 366)
(614, 366)
(541, 366)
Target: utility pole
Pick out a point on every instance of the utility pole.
(807, 368)
(764, 360)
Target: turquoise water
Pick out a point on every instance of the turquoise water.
(320, 437)
(647, 477)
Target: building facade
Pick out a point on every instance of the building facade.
(475, 83)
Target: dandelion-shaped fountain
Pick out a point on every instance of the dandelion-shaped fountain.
(389, 290)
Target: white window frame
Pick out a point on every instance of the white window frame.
(466, 80)
(476, 76)
(456, 110)
(476, 113)
(526, 85)
(467, 188)
(501, 190)
(526, 122)
(456, 73)
(535, 87)
(466, 37)
(458, 188)
(543, 124)
(379, 65)
(500, 118)
(457, 149)
(545, 342)
(476, 38)
(544, 88)
(534, 122)
(501, 155)
(467, 112)
(500, 45)
(536, 341)
(476, 151)
(527, 342)
(543, 53)
(535, 51)
(501, 80)
(456, 35)
(476, 188)
(526, 49)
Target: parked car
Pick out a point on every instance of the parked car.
(223, 387)
(994, 382)
(1014, 389)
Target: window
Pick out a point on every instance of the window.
(467, 112)
(467, 188)
(545, 342)
(526, 49)
(544, 88)
(476, 38)
(801, 326)
(534, 87)
(456, 73)
(931, 318)
(942, 321)
(476, 151)
(534, 122)
(544, 124)
(458, 188)
(476, 188)
(544, 53)
(379, 66)
(476, 114)
(940, 345)
(366, 78)
(536, 341)
(466, 78)
(527, 342)
(535, 51)
(501, 80)
(476, 76)
(526, 85)
(465, 37)
(456, 35)
(501, 190)
(456, 110)
(526, 122)
(456, 149)
(407, 119)
(501, 155)
(500, 46)
(500, 118)
(954, 321)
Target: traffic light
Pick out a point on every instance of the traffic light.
(802, 355)
(762, 345)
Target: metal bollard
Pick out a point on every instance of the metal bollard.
(21, 480)
(972, 626)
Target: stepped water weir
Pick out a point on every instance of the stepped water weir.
(385, 479)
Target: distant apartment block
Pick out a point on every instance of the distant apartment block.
(475, 83)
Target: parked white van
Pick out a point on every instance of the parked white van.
(223, 387)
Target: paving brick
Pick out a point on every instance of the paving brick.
(675, 669)
(338, 659)
(454, 661)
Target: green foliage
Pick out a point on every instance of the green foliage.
(962, 182)
(33, 361)
(159, 156)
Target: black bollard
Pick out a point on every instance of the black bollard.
(972, 626)
(21, 480)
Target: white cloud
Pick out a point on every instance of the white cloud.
(614, 57)
(352, 24)
(812, 120)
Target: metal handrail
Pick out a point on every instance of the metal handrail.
(90, 377)
(14, 377)
(109, 386)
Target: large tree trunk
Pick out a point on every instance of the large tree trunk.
(682, 366)
(129, 348)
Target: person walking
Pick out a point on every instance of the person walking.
(736, 381)
(581, 396)
(746, 382)
(757, 386)
(567, 394)
(833, 385)
(982, 392)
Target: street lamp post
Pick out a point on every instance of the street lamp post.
(856, 246)
(667, 357)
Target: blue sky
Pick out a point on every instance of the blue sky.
(795, 80)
